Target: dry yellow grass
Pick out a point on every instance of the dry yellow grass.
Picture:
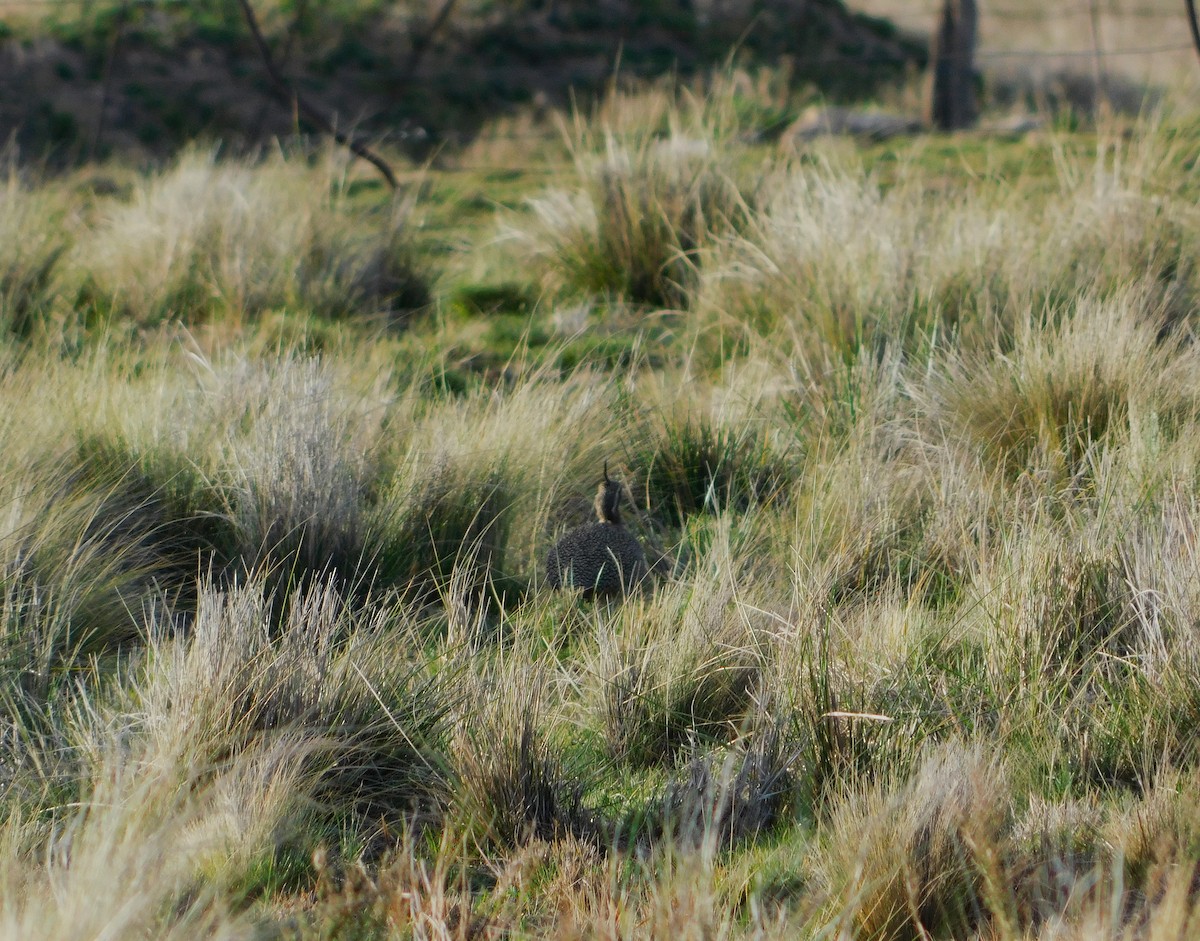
(921, 661)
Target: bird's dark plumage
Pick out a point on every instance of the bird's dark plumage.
(601, 558)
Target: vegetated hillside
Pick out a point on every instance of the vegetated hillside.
(281, 457)
(89, 79)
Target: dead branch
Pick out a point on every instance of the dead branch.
(422, 42)
(110, 59)
(289, 96)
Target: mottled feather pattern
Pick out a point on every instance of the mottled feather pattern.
(601, 558)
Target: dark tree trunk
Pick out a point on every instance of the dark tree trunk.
(951, 101)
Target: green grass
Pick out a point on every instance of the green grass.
(913, 456)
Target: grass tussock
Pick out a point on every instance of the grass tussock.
(644, 205)
(78, 561)
(217, 240)
(702, 466)
(326, 677)
(920, 861)
(192, 774)
(679, 670)
(1067, 389)
(127, 861)
(512, 785)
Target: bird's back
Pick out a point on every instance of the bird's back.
(600, 558)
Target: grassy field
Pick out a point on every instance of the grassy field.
(913, 433)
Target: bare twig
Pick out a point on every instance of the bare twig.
(422, 42)
(291, 97)
(110, 59)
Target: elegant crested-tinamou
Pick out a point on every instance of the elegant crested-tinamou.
(602, 558)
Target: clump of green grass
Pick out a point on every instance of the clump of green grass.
(643, 208)
(511, 784)
(213, 240)
(705, 466)
(77, 560)
(445, 519)
(181, 517)
(854, 705)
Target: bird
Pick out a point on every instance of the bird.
(602, 558)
